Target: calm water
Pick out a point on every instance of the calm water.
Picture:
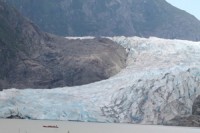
(27, 126)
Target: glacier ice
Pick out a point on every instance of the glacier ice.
(160, 82)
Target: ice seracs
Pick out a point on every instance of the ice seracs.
(160, 82)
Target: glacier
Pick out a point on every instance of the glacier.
(160, 82)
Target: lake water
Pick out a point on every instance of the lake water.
(29, 126)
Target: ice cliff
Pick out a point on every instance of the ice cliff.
(160, 82)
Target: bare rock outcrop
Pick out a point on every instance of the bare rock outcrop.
(62, 62)
(196, 106)
(192, 120)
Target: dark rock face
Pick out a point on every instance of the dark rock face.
(192, 121)
(110, 17)
(31, 58)
(196, 106)
(70, 62)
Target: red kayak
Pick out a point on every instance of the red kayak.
(50, 126)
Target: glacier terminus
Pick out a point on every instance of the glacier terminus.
(160, 82)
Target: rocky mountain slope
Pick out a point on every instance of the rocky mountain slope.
(110, 18)
(159, 84)
(32, 58)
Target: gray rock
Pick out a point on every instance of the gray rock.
(196, 106)
(190, 120)
(69, 63)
